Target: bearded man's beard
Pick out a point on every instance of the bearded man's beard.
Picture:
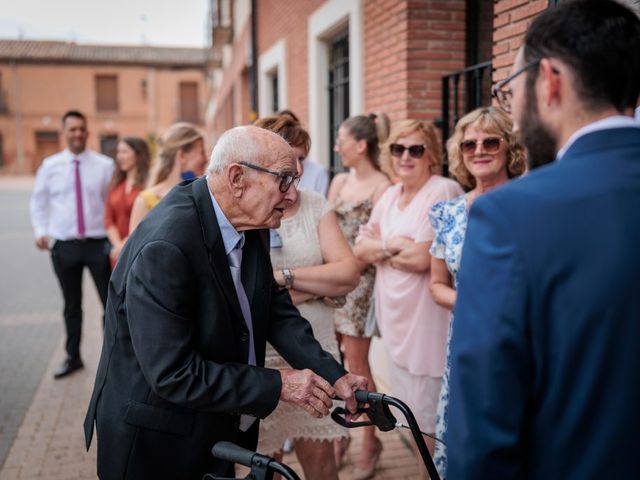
(539, 141)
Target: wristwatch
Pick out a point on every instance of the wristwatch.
(288, 278)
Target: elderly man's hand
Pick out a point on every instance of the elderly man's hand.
(307, 390)
(346, 386)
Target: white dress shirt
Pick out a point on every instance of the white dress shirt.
(53, 203)
(315, 178)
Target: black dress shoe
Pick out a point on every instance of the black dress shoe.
(69, 366)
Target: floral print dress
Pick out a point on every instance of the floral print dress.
(449, 220)
(351, 318)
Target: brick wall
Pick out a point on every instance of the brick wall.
(512, 18)
(288, 20)
(148, 103)
(409, 46)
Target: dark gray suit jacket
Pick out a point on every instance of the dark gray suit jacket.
(173, 378)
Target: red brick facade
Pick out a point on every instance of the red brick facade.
(511, 20)
(407, 47)
(40, 81)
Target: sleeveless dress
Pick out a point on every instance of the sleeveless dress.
(301, 248)
(350, 319)
(449, 220)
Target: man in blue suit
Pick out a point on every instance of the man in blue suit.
(546, 340)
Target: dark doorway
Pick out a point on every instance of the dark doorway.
(338, 93)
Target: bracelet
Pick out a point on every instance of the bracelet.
(386, 252)
(288, 278)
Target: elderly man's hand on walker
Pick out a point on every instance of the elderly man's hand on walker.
(314, 394)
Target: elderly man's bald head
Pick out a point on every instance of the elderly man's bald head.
(250, 144)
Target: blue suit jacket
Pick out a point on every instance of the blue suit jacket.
(546, 338)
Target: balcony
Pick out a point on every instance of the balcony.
(221, 23)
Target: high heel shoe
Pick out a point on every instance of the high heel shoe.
(369, 471)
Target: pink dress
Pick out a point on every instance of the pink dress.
(413, 327)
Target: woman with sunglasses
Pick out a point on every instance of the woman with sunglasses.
(396, 240)
(483, 154)
(353, 195)
(312, 259)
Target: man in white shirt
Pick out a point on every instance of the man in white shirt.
(67, 215)
(315, 178)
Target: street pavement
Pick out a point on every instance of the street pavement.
(41, 434)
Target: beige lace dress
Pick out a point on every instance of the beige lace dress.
(351, 318)
(301, 248)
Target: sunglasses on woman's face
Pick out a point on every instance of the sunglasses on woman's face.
(415, 151)
(489, 145)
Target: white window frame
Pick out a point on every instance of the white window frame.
(333, 17)
(273, 61)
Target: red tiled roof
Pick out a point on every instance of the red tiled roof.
(66, 52)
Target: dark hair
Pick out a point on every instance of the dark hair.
(289, 113)
(143, 161)
(599, 40)
(74, 114)
(373, 129)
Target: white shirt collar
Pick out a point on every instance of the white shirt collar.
(615, 121)
(230, 236)
(72, 156)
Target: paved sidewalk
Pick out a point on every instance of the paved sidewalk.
(50, 444)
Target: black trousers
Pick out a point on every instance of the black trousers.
(69, 257)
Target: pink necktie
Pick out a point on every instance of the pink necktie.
(79, 208)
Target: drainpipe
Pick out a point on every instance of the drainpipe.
(20, 162)
(253, 72)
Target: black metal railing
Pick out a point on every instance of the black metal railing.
(463, 91)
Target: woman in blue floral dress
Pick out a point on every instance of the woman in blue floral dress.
(483, 154)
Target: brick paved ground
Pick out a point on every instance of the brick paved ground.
(29, 317)
(47, 442)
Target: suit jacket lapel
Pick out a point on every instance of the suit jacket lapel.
(215, 245)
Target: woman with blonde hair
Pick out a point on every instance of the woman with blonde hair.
(483, 154)
(313, 260)
(353, 195)
(181, 157)
(396, 241)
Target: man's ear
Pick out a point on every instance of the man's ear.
(550, 83)
(236, 179)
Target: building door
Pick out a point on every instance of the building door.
(338, 93)
(47, 143)
(109, 145)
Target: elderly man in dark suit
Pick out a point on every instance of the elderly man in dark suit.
(191, 304)
(545, 341)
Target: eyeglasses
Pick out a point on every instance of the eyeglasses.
(490, 145)
(286, 179)
(504, 95)
(415, 151)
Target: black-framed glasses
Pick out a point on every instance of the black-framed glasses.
(415, 151)
(490, 145)
(286, 179)
(504, 95)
